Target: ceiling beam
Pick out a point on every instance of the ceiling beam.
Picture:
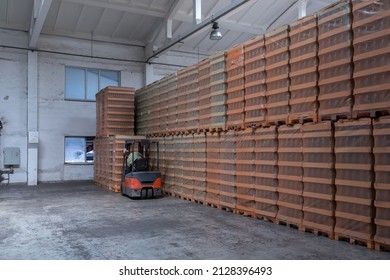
(39, 13)
(147, 11)
(196, 28)
(227, 24)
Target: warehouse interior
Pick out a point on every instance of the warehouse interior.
(271, 116)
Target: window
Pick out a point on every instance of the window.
(84, 83)
(79, 150)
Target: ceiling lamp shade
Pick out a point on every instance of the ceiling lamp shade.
(215, 33)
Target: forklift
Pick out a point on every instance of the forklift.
(139, 180)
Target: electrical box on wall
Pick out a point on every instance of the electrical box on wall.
(11, 157)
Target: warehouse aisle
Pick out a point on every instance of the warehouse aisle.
(82, 221)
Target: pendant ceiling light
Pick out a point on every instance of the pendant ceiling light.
(215, 33)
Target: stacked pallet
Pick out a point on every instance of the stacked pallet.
(186, 164)
(142, 111)
(290, 188)
(303, 70)
(266, 170)
(371, 57)
(154, 101)
(172, 102)
(114, 124)
(318, 178)
(170, 162)
(235, 87)
(115, 111)
(245, 171)
(255, 86)
(277, 69)
(204, 94)
(335, 62)
(183, 82)
(354, 181)
(381, 151)
(199, 167)
(218, 91)
(213, 167)
(163, 106)
(108, 164)
(187, 99)
(227, 153)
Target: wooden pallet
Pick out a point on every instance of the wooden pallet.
(370, 244)
(334, 117)
(370, 113)
(288, 224)
(301, 119)
(382, 247)
(318, 232)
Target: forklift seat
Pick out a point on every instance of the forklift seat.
(140, 164)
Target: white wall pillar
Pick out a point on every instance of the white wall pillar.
(149, 73)
(32, 118)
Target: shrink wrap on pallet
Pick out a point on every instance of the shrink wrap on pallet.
(245, 172)
(255, 86)
(266, 170)
(213, 165)
(318, 177)
(335, 61)
(371, 43)
(354, 180)
(290, 172)
(381, 132)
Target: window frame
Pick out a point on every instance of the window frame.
(86, 139)
(85, 69)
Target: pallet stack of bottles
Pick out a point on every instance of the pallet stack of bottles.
(296, 133)
(303, 70)
(255, 86)
(371, 58)
(114, 123)
(235, 69)
(277, 68)
(335, 62)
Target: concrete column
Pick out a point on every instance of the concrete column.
(149, 73)
(32, 118)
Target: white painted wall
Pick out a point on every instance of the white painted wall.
(57, 117)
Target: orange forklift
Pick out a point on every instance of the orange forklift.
(139, 180)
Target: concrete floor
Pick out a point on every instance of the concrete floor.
(83, 221)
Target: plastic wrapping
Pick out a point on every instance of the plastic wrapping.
(255, 86)
(235, 87)
(290, 160)
(172, 104)
(381, 151)
(266, 170)
(154, 97)
(318, 177)
(303, 69)
(245, 171)
(354, 180)
(187, 99)
(165, 87)
(213, 166)
(199, 167)
(187, 165)
(335, 61)
(204, 93)
(371, 22)
(277, 68)
(228, 170)
(115, 111)
(218, 88)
